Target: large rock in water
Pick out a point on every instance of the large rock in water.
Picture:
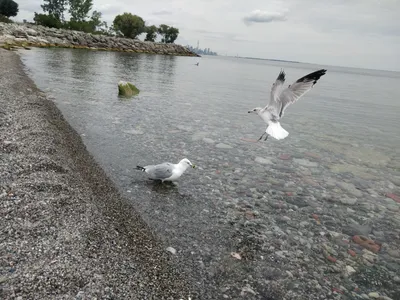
(127, 89)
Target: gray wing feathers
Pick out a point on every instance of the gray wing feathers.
(277, 86)
(274, 104)
(292, 94)
(295, 91)
(161, 171)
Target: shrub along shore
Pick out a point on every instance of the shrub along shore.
(14, 36)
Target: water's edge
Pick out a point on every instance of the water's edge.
(109, 250)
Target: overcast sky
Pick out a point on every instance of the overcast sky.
(358, 33)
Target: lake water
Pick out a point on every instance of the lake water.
(267, 220)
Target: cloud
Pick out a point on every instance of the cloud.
(356, 17)
(223, 36)
(259, 16)
(162, 12)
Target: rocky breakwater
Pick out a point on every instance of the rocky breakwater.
(14, 36)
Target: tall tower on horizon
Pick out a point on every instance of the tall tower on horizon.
(197, 45)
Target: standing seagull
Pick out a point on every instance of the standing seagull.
(281, 99)
(166, 171)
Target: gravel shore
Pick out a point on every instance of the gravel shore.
(65, 232)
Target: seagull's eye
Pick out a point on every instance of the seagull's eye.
(254, 110)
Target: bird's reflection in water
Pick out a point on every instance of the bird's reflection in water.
(167, 191)
(158, 186)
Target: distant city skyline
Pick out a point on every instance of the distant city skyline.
(198, 50)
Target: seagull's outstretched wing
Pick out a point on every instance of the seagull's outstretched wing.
(274, 104)
(295, 91)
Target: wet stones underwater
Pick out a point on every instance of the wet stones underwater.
(309, 218)
(312, 229)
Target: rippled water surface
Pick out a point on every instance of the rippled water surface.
(314, 216)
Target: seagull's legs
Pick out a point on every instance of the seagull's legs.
(266, 138)
(262, 136)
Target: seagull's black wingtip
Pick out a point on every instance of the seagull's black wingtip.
(318, 74)
(314, 76)
(281, 76)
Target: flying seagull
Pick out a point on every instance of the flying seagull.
(166, 171)
(281, 99)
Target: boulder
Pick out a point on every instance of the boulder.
(127, 89)
(31, 32)
(20, 33)
(40, 36)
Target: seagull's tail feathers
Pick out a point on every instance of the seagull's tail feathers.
(140, 168)
(275, 130)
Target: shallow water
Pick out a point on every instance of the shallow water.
(284, 206)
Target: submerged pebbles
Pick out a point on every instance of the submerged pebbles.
(314, 216)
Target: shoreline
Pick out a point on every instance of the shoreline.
(14, 36)
(66, 232)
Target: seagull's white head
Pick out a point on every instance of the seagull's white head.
(255, 110)
(186, 163)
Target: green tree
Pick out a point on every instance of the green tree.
(111, 31)
(79, 9)
(169, 34)
(151, 33)
(47, 20)
(93, 25)
(129, 25)
(4, 19)
(162, 30)
(172, 35)
(8, 8)
(55, 8)
(98, 25)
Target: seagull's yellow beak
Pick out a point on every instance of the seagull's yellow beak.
(193, 166)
